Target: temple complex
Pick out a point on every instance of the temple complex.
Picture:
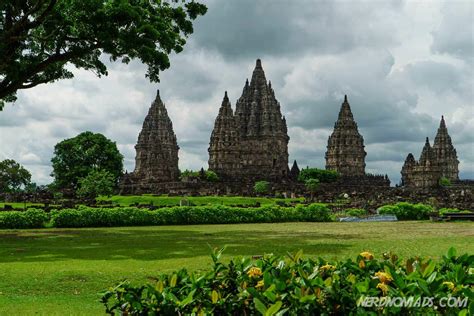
(252, 143)
(156, 160)
(345, 151)
(439, 161)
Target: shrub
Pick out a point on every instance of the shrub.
(407, 211)
(444, 182)
(182, 215)
(320, 174)
(32, 218)
(452, 210)
(211, 176)
(356, 212)
(296, 286)
(261, 187)
(97, 182)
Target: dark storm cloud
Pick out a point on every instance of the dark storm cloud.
(399, 72)
(239, 29)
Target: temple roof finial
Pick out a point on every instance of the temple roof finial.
(345, 98)
(258, 64)
(442, 124)
(225, 95)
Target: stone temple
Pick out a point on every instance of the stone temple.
(439, 161)
(252, 143)
(156, 160)
(345, 151)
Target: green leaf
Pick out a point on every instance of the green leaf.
(431, 278)
(214, 297)
(429, 269)
(451, 252)
(188, 299)
(272, 310)
(260, 306)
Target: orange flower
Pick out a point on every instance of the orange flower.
(367, 255)
(327, 267)
(254, 272)
(383, 277)
(260, 284)
(383, 287)
(450, 285)
(362, 264)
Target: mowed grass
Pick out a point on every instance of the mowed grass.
(61, 271)
(163, 200)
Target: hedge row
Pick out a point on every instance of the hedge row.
(32, 218)
(297, 286)
(179, 215)
(407, 211)
(182, 215)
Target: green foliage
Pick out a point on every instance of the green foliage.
(13, 176)
(211, 176)
(297, 286)
(356, 212)
(261, 187)
(97, 182)
(188, 174)
(444, 182)
(39, 38)
(76, 157)
(407, 211)
(183, 215)
(452, 210)
(320, 174)
(32, 218)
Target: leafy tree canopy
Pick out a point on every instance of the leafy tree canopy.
(97, 182)
(320, 174)
(76, 157)
(39, 38)
(13, 176)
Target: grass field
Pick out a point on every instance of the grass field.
(126, 200)
(60, 271)
(163, 200)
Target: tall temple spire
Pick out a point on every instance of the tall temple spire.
(345, 151)
(223, 146)
(157, 148)
(445, 153)
(262, 132)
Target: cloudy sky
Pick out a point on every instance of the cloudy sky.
(402, 64)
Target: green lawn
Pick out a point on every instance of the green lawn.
(126, 200)
(60, 271)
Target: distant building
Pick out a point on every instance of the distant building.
(156, 160)
(251, 143)
(435, 162)
(345, 151)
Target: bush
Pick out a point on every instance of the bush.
(296, 286)
(97, 182)
(452, 210)
(407, 211)
(32, 218)
(261, 187)
(444, 182)
(320, 174)
(211, 176)
(356, 212)
(182, 215)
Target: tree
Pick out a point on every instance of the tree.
(320, 174)
(312, 186)
(261, 187)
(13, 176)
(76, 157)
(39, 38)
(211, 176)
(97, 182)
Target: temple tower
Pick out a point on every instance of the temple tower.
(157, 150)
(407, 170)
(345, 151)
(426, 172)
(224, 147)
(262, 130)
(445, 153)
